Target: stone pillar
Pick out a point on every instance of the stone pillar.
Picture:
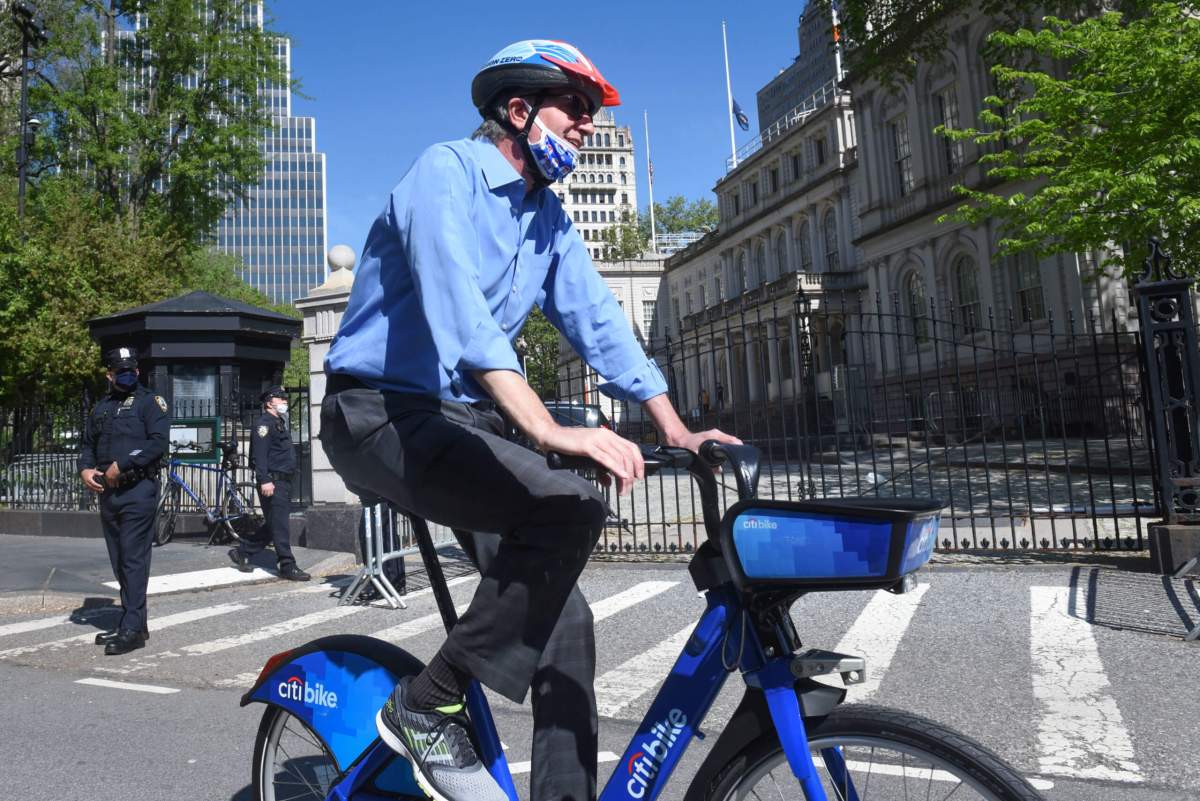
(322, 309)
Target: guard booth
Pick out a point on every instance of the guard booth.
(211, 358)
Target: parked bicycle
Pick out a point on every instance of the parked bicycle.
(790, 737)
(233, 514)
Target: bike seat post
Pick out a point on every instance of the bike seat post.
(433, 569)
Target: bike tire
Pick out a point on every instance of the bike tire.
(240, 517)
(167, 514)
(946, 757)
(303, 770)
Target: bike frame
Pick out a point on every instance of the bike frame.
(224, 481)
(720, 638)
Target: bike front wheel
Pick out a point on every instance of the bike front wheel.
(290, 761)
(240, 517)
(870, 753)
(167, 514)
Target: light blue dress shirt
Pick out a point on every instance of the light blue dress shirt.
(451, 269)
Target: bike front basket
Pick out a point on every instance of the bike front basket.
(833, 544)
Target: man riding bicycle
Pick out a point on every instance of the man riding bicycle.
(422, 366)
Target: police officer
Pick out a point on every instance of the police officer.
(125, 437)
(274, 461)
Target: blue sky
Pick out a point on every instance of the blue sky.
(387, 78)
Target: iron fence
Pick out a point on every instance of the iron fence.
(1034, 434)
(39, 446)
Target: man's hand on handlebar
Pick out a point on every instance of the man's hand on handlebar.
(692, 441)
(618, 456)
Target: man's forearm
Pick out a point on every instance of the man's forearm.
(666, 419)
(518, 400)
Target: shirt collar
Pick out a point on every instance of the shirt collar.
(496, 169)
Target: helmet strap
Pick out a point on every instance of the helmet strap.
(522, 137)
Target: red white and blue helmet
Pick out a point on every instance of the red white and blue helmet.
(540, 66)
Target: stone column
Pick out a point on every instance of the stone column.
(322, 309)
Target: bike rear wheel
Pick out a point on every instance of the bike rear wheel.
(167, 513)
(291, 763)
(888, 755)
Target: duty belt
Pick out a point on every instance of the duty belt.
(127, 477)
(275, 476)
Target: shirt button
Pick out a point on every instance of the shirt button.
(503, 326)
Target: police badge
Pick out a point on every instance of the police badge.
(262, 431)
(162, 404)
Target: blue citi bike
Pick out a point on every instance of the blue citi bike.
(791, 737)
(232, 515)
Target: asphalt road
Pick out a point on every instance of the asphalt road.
(1091, 712)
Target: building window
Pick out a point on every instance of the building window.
(773, 178)
(648, 321)
(624, 199)
(607, 140)
(914, 300)
(797, 166)
(829, 229)
(804, 248)
(784, 327)
(946, 106)
(818, 145)
(621, 163)
(687, 302)
(737, 203)
(740, 275)
(678, 319)
(760, 265)
(902, 154)
(966, 286)
(620, 140)
(780, 255)
(754, 193)
(703, 300)
(1030, 303)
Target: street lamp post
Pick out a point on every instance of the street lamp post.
(33, 34)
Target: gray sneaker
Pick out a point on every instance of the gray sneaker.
(443, 759)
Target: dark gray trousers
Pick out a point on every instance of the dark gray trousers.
(530, 531)
(127, 518)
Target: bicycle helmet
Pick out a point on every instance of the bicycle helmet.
(540, 67)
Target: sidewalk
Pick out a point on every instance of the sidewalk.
(57, 572)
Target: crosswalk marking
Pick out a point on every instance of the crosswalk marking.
(411, 628)
(624, 684)
(33, 625)
(876, 635)
(165, 622)
(644, 591)
(1081, 732)
(199, 580)
(125, 685)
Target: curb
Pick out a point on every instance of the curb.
(52, 601)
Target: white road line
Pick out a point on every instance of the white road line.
(610, 606)
(240, 681)
(33, 625)
(124, 685)
(517, 768)
(876, 635)
(271, 631)
(199, 580)
(624, 684)
(411, 628)
(924, 774)
(1081, 733)
(156, 624)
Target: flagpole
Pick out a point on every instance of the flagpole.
(729, 99)
(650, 182)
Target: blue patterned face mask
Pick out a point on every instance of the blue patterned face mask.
(554, 156)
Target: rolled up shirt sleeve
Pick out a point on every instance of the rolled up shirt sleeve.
(578, 303)
(439, 242)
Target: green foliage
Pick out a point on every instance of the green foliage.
(541, 354)
(77, 262)
(1106, 148)
(624, 240)
(183, 138)
(678, 216)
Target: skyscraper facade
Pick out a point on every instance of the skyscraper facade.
(602, 191)
(280, 232)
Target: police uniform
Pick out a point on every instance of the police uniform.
(273, 458)
(131, 428)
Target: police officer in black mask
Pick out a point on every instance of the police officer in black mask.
(123, 442)
(274, 460)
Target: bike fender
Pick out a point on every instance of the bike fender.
(751, 721)
(336, 685)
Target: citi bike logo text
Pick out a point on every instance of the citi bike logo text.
(754, 522)
(645, 764)
(297, 689)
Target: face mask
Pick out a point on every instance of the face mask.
(554, 156)
(281, 408)
(125, 380)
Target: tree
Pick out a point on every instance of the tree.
(624, 240)
(1104, 149)
(679, 216)
(541, 354)
(166, 115)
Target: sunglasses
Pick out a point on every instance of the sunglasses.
(573, 104)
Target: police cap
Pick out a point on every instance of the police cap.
(273, 392)
(121, 358)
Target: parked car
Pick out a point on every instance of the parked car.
(581, 415)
